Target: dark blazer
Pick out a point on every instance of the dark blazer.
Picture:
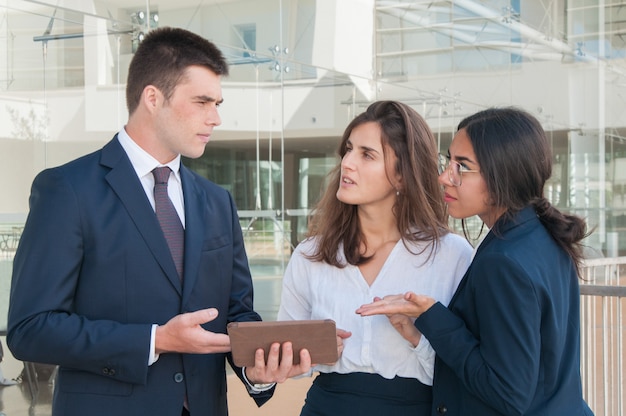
(93, 272)
(509, 341)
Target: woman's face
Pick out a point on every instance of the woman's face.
(365, 170)
(471, 197)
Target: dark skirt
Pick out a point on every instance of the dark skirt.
(362, 394)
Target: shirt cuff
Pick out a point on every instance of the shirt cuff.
(255, 388)
(153, 356)
(426, 356)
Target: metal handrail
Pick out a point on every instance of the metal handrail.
(602, 290)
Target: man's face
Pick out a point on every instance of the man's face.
(185, 122)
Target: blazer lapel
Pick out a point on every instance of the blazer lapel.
(504, 227)
(485, 241)
(124, 181)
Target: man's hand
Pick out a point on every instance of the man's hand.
(279, 367)
(184, 334)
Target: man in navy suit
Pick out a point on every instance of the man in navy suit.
(95, 287)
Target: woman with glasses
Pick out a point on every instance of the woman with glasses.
(380, 227)
(509, 341)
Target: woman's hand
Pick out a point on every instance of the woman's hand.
(341, 335)
(405, 326)
(401, 310)
(409, 304)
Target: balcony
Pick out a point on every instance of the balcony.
(603, 363)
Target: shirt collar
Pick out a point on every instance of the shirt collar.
(141, 160)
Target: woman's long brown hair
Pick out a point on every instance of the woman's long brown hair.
(419, 208)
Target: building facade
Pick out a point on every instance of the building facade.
(300, 71)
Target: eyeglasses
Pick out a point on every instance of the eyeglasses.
(454, 168)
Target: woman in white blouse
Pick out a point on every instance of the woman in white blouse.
(380, 227)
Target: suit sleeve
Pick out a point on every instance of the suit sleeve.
(46, 274)
(241, 307)
(500, 364)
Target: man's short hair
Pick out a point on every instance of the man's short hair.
(162, 59)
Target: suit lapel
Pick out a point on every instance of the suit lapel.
(124, 181)
(195, 224)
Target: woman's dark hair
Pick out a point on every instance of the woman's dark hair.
(419, 208)
(162, 59)
(515, 161)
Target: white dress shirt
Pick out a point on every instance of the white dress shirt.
(317, 290)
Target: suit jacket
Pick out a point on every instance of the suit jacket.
(509, 341)
(93, 272)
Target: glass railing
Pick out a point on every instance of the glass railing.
(603, 320)
(269, 246)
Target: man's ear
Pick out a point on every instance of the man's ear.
(151, 97)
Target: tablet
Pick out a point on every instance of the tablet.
(317, 336)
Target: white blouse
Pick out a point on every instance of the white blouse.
(317, 290)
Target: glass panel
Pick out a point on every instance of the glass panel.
(300, 70)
